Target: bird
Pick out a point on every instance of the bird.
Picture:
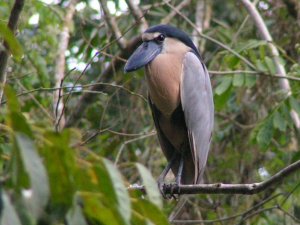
(181, 100)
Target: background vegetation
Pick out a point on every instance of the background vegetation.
(76, 131)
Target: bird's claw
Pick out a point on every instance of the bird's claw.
(172, 186)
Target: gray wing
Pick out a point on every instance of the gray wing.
(197, 103)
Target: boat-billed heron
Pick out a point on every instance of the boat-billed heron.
(180, 97)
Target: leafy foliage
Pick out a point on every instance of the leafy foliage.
(80, 175)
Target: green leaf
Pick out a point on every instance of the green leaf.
(37, 174)
(261, 66)
(221, 100)
(150, 212)
(262, 52)
(231, 61)
(15, 118)
(40, 65)
(265, 133)
(250, 45)
(250, 80)
(150, 185)
(8, 214)
(75, 215)
(295, 104)
(96, 210)
(59, 159)
(270, 64)
(12, 101)
(10, 39)
(238, 80)
(110, 185)
(121, 194)
(279, 121)
(224, 85)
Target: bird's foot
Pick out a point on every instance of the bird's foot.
(172, 187)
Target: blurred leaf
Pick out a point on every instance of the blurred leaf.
(150, 212)
(16, 120)
(297, 211)
(265, 133)
(8, 214)
(121, 192)
(262, 52)
(270, 64)
(231, 61)
(250, 80)
(38, 177)
(13, 43)
(40, 65)
(238, 80)
(75, 215)
(12, 101)
(96, 211)
(151, 186)
(224, 85)
(295, 104)
(114, 189)
(59, 159)
(261, 66)
(250, 44)
(279, 121)
(221, 100)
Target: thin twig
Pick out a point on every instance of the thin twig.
(128, 142)
(222, 219)
(288, 214)
(112, 24)
(60, 64)
(250, 72)
(137, 14)
(43, 109)
(212, 39)
(289, 194)
(130, 134)
(104, 77)
(171, 15)
(115, 64)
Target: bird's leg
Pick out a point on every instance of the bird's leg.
(161, 178)
(180, 169)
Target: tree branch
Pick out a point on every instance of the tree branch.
(173, 13)
(4, 54)
(113, 25)
(246, 61)
(137, 14)
(60, 65)
(219, 188)
(265, 34)
(199, 20)
(105, 77)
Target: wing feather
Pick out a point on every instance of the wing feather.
(197, 103)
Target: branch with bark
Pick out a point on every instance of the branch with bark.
(265, 34)
(137, 14)
(112, 24)
(181, 5)
(219, 188)
(4, 54)
(60, 65)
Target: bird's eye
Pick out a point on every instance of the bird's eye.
(160, 38)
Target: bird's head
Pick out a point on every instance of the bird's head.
(158, 40)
